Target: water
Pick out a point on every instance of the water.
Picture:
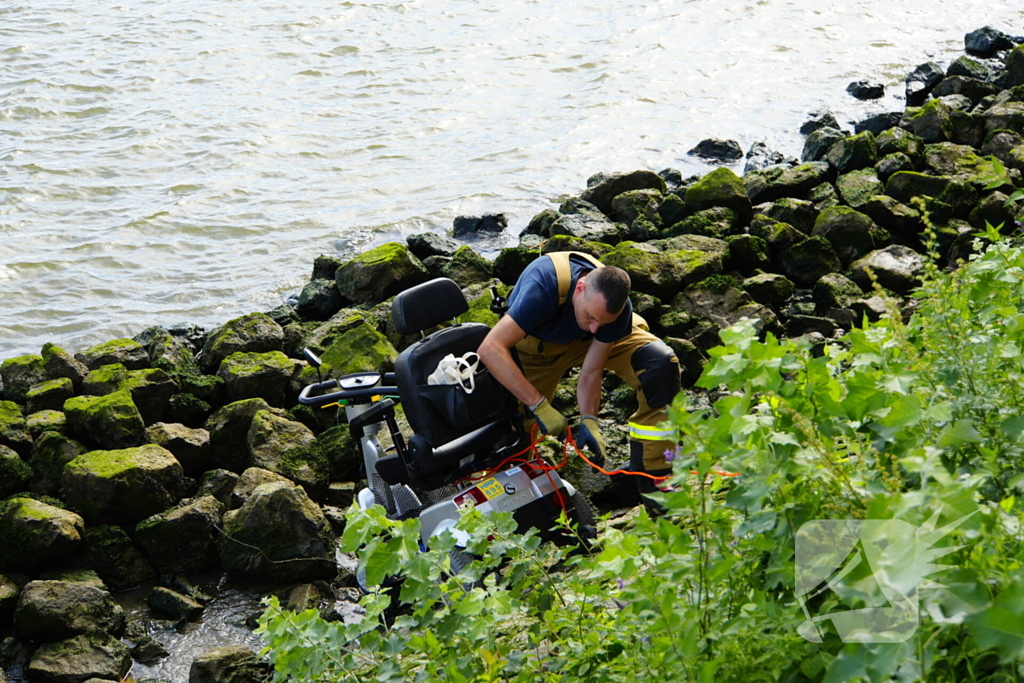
(168, 162)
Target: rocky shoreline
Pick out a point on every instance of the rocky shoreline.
(144, 461)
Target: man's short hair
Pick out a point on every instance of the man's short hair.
(613, 284)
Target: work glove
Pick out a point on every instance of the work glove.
(589, 436)
(549, 420)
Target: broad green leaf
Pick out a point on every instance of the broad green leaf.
(959, 433)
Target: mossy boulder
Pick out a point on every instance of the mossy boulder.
(8, 597)
(361, 348)
(50, 453)
(748, 253)
(722, 188)
(719, 308)
(422, 245)
(972, 88)
(609, 187)
(540, 224)
(835, 290)
(1007, 115)
(290, 449)
(857, 187)
(584, 226)
(229, 431)
(319, 299)
(188, 409)
(823, 196)
(805, 262)
(672, 209)
(36, 534)
(151, 390)
(380, 273)
(718, 222)
(278, 534)
(629, 206)
(13, 429)
(257, 375)
(59, 363)
(18, 375)
(479, 298)
(250, 480)
(1015, 65)
(851, 233)
(818, 143)
(893, 163)
(217, 483)
(992, 210)
(92, 655)
(174, 356)
(962, 163)
(46, 421)
(896, 268)
(931, 122)
(343, 455)
(183, 539)
(253, 333)
(906, 185)
(104, 380)
(49, 395)
(769, 289)
(14, 472)
(468, 267)
(56, 610)
(777, 235)
(853, 152)
(230, 664)
(650, 270)
(799, 213)
(900, 140)
(110, 552)
(110, 422)
(778, 182)
(128, 484)
(190, 447)
(127, 352)
(510, 263)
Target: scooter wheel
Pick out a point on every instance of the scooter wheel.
(585, 519)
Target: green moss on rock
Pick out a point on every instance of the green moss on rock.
(721, 187)
(109, 422)
(18, 375)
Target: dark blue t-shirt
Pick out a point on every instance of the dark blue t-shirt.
(533, 304)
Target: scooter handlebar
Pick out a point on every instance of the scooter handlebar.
(311, 394)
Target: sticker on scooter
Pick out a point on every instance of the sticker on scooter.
(510, 489)
(491, 488)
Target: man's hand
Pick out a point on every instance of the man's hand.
(589, 436)
(550, 421)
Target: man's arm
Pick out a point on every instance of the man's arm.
(495, 352)
(588, 390)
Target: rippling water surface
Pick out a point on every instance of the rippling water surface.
(167, 162)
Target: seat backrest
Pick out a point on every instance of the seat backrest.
(426, 305)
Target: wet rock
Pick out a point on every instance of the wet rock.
(857, 187)
(59, 363)
(798, 213)
(175, 605)
(899, 140)
(342, 453)
(776, 183)
(986, 42)
(1015, 66)
(853, 153)
(650, 270)
(823, 196)
(931, 122)
(233, 663)
(9, 591)
(251, 479)
(833, 291)
(56, 610)
(957, 104)
(718, 222)
(876, 124)
(769, 289)
(151, 390)
(511, 262)
(971, 88)
(720, 188)
(896, 268)
(105, 379)
(46, 421)
(818, 143)
(806, 262)
(109, 422)
(35, 534)
(1008, 116)
(717, 151)
(290, 449)
(800, 325)
(50, 453)
(902, 222)
(253, 333)
(149, 651)
(191, 447)
(129, 484)
(906, 185)
(539, 225)
(325, 266)
(184, 539)
(672, 210)
(219, 484)
(866, 90)
(427, 244)
(1000, 143)
(319, 300)
(229, 432)
(188, 409)
(278, 534)
(777, 235)
(360, 347)
(586, 227)
(722, 307)
(971, 68)
(14, 472)
(13, 429)
(629, 206)
(760, 156)
(18, 375)
(257, 375)
(471, 226)
(673, 178)
(851, 233)
(748, 253)
(127, 352)
(893, 163)
(49, 395)
(468, 268)
(566, 243)
(992, 210)
(90, 655)
(696, 257)
(601, 193)
(920, 81)
(819, 120)
(108, 550)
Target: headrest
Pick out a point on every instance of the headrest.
(427, 305)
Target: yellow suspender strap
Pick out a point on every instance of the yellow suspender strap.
(564, 273)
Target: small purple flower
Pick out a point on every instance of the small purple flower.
(671, 454)
(622, 584)
(734, 544)
(645, 640)
(1020, 226)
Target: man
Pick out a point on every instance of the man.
(568, 310)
